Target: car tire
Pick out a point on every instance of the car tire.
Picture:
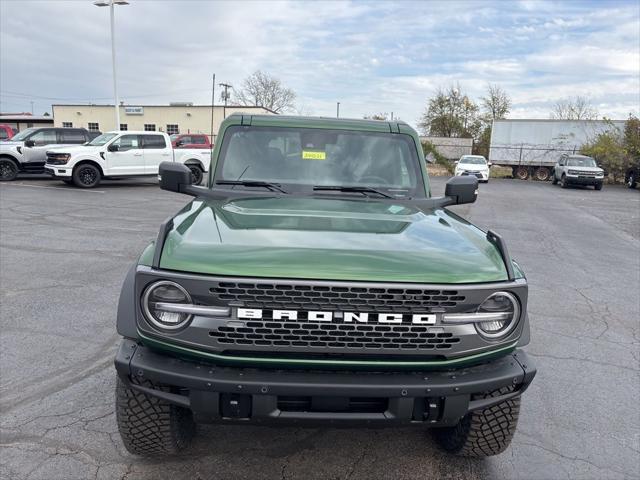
(563, 181)
(632, 180)
(482, 433)
(86, 175)
(150, 426)
(8, 170)
(196, 174)
(598, 186)
(522, 173)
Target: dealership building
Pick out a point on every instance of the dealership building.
(172, 118)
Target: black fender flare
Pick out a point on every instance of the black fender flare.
(126, 318)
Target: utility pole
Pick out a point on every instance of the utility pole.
(213, 101)
(226, 87)
(31, 107)
(338, 110)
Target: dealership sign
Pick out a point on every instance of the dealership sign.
(134, 110)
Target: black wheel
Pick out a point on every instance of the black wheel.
(483, 433)
(563, 181)
(8, 170)
(598, 186)
(522, 173)
(150, 426)
(542, 174)
(86, 176)
(196, 174)
(632, 180)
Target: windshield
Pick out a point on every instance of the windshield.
(23, 135)
(473, 160)
(581, 162)
(102, 139)
(302, 158)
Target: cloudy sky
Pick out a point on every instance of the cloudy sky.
(370, 56)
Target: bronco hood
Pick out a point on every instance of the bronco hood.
(331, 239)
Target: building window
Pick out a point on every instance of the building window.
(93, 127)
(67, 125)
(172, 129)
(124, 127)
(149, 127)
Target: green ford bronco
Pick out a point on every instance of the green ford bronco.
(316, 281)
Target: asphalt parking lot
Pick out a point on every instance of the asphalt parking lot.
(64, 253)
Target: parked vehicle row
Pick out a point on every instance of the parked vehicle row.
(27, 151)
(121, 154)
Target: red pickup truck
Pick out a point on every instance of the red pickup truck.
(191, 140)
(6, 132)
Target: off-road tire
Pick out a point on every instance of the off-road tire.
(196, 174)
(8, 170)
(86, 175)
(482, 433)
(598, 186)
(150, 426)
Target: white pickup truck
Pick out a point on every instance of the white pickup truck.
(122, 154)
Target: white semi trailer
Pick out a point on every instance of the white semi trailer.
(532, 147)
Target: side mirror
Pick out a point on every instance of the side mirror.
(174, 177)
(456, 162)
(29, 143)
(462, 189)
(489, 164)
(113, 148)
(179, 143)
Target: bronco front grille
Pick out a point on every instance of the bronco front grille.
(285, 295)
(270, 333)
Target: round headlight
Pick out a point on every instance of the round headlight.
(157, 302)
(499, 302)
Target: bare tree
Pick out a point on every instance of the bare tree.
(450, 113)
(574, 108)
(496, 104)
(263, 90)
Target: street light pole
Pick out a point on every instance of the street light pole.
(338, 110)
(111, 4)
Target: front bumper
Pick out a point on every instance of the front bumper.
(247, 395)
(578, 180)
(58, 171)
(479, 175)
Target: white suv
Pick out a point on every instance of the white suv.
(577, 170)
(122, 154)
(474, 165)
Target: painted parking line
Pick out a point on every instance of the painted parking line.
(62, 189)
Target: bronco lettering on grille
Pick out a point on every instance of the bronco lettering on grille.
(345, 317)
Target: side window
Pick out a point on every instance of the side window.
(198, 140)
(153, 142)
(185, 140)
(127, 142)
(44, 137)
(3, 134)
(72, 136)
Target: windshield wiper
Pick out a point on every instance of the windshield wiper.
(253, 183)
(354, 188)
